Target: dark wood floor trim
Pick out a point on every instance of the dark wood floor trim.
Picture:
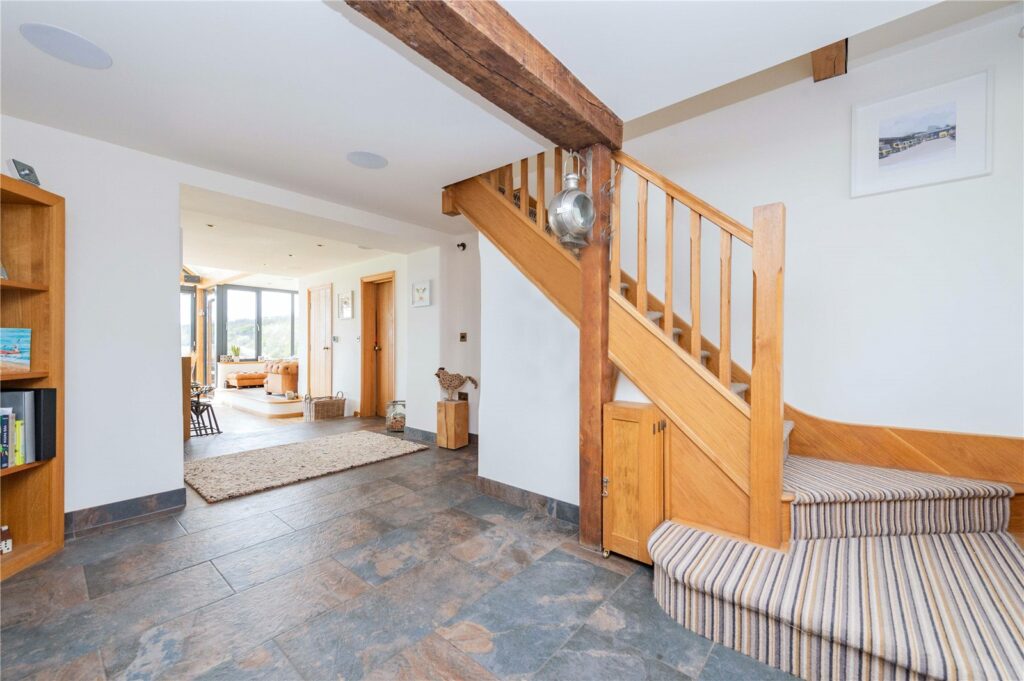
(91, 520)
(430, 437)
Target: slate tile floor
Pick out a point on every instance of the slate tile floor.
(397, 570)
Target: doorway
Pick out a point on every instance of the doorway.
(377, 385)
(319, 330)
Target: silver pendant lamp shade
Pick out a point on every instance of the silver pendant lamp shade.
(571, 213)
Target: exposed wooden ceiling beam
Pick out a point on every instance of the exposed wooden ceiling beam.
(829, 61)
(480, 44)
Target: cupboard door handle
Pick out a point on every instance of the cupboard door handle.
(604, 487)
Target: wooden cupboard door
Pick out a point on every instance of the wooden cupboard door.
(634, 444)
(385, 344)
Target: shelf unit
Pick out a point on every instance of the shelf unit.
(32, 251)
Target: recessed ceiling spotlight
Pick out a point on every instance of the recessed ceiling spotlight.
(365, 248)
(209, 225)
(319, 245)
(66, 46)
(367, 159)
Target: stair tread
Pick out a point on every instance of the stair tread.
(814, 480)
(821, 587)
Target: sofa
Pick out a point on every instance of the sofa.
(246, 379)
(282, 377)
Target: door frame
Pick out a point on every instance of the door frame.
(368, 315)
(330, 332)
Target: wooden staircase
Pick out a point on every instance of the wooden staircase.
(726, 457)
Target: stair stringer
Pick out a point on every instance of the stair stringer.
(708, 420)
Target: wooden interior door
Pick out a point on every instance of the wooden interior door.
(319, 336)
(385, 342)
(632, 506)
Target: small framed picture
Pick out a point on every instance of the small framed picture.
(25, 171)
(938, 134)
(421, 294)
(345, 304)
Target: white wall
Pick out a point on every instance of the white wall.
(423, 335)
(529, 403)
(460, 312)
(904, 308)
(123, 261)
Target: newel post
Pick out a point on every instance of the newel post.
(595, 366)
(766, 402)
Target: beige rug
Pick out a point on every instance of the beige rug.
(235, 475)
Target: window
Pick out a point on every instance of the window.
(241, 330)
(261, 322)
(276, 324)
(187, 318)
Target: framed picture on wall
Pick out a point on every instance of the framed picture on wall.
(421, 294)
(345, 299)
(938, 134)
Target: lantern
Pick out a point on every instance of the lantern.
(571, 213)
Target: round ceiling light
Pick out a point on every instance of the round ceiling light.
(66, 46)
(367, 159)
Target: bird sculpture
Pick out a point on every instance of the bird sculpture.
(450, 383)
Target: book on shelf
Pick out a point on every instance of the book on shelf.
(31, 433)
(5, 436)
(15, 350)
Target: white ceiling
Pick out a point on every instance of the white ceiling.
(265, 240)
(280, 92)
(638, 57)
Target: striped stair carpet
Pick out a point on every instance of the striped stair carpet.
(925, 606)
(835, 500)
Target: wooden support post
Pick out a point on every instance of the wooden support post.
(766, 403)
(595, 366)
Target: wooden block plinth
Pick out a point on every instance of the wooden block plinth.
(452, 424)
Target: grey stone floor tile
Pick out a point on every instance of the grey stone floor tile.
(491, 509)
(516, 627)
(257, 564)
(399, 550)
(500, 551)
(633, 617)
(264, 663)
(424, 502)
(595, 657)
(31, 601)
(224, 631)
(88, 667)
(431, 658)
(154, 560)
(87, 626)
(357, 637)
(313, 511)
(203, 517)
(725, 664)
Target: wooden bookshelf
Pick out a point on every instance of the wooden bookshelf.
(32, 251)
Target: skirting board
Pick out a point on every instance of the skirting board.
(430, 437)
(520, 497)
(91, 520)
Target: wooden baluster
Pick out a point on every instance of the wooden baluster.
(641, 247)
(667, 320)
(524, 187)
(506, 180)
(616, 281)
(558, 169)
(766, 400)
(695, 284)
(725, 310)
(492, 178)
(541, 206)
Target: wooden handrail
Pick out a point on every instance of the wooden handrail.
(686, 198)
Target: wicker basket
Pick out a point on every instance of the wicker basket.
(320, 408)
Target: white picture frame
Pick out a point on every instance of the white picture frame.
(346, 301)
(420, 295)
(938, 134)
